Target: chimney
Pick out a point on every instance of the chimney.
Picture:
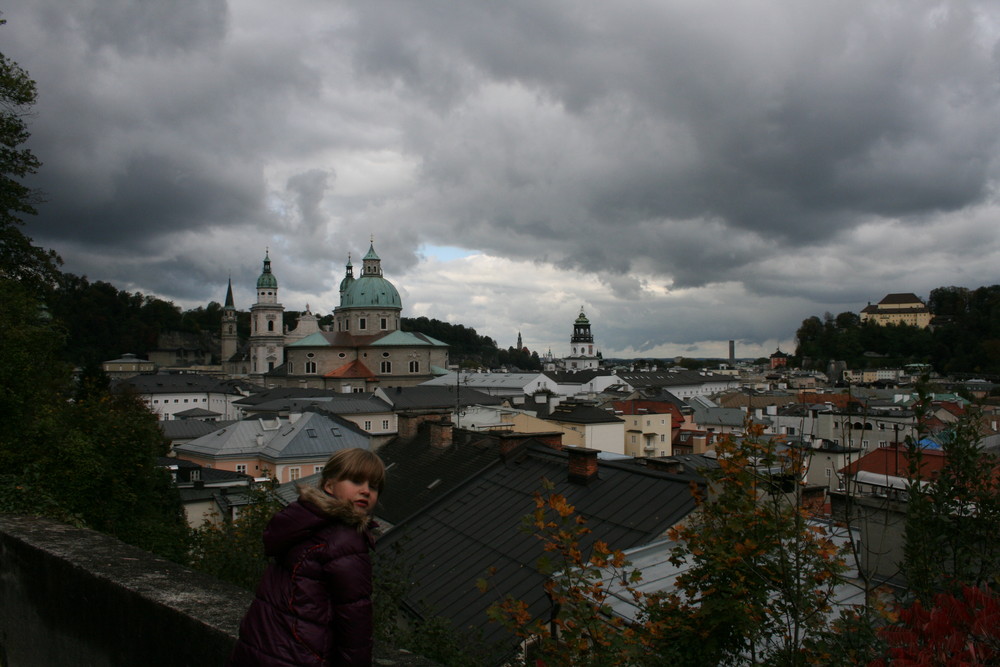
(582, 464)
(440, 434)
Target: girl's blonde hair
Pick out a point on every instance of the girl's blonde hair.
(358, 465)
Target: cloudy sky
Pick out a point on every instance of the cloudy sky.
(688, 171)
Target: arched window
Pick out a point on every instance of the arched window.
(385, 367)
(310, 367)
(414, 366)
(270, 325)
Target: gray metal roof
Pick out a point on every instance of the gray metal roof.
(175, 384)
(312, 435)
(315, 435)
(453, 543)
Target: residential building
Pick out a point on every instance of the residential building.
(586, 425)
(274, 447)
(649, 426)
(680, 382)
(168, 395)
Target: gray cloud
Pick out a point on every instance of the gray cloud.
(792, 157)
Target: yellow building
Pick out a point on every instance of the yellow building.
(898, 309)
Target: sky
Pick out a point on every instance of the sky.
(688, 172)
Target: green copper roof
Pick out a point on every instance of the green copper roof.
(371, 253)
(408, 339)
(267, 279)
(370, 291)
(312, 340)
(582, 319)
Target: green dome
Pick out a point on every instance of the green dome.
(267, 279)
(370, 291)
(582, 319)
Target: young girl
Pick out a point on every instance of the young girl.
(313, 604)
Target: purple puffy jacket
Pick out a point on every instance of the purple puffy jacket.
(313, 604)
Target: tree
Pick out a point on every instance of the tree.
(233, 549)
(19, 259)
(755, 585)
(951, 523)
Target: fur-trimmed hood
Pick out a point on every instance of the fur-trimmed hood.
(340, 510)
(313, 511)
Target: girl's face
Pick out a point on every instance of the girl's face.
(360, 494)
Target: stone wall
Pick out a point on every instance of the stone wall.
(71, 596)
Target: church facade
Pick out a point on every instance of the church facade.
(362, 350)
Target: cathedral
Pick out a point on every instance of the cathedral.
(363, 349)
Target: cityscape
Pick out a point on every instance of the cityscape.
(465, 334)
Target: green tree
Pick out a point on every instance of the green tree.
(19, 259)
(233, 549)
(952, 519)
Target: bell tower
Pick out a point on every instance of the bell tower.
(267, 316)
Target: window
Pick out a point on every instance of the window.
(196, 474)
(414, 366)
(294, 473)
(310, 367)
(385, 367)
(317, 470)
(368, 425)
(663, 438)
(384, 323)
(241, 468)
(385, 424)
(270, 325)
(633, 439)
(362, 323)
(827, 472)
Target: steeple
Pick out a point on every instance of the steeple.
(230, 340)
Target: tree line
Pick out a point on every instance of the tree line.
(964, 336)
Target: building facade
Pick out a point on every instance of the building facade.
(904, 308)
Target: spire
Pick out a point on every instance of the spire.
(230, 304)
(372, 263)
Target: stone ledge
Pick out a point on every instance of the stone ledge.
(75, 596)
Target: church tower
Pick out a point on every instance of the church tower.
(583, 353)
(266, 324)
(230, 341)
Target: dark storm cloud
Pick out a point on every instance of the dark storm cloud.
(678, 153)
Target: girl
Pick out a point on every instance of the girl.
(313, 605)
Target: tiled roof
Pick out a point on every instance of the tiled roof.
(578, 413)
(895, 462)
(427, 396)
(900, 298)
(419, 473)
(354, 369)
(576, 377)
(283, 392)
(477, 528)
